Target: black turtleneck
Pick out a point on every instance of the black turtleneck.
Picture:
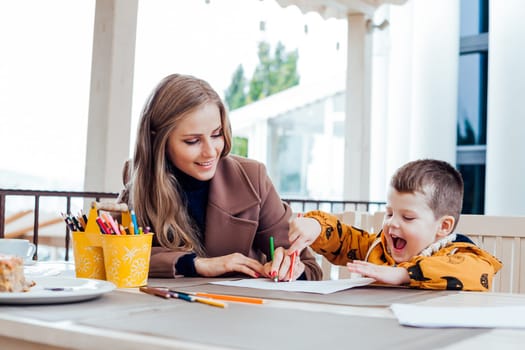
(196, 197)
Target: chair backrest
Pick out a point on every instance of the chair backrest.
(503, 237)
(372, 222)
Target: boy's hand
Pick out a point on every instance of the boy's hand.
(381, 273)
(302, 233)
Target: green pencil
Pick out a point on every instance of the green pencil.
(272, 248)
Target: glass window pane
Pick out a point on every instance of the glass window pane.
(305, 151)
(474, 180)
(474, 17)
(472, 99)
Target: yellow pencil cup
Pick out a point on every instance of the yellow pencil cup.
(126, 259)
(89, 257)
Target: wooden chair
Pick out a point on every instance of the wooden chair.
(372, 222)
(503, 237)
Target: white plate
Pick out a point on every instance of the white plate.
(57, 290)
(49, 268)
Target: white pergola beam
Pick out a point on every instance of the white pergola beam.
(109, 120)
(357, 123)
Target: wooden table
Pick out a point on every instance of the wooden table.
(355, 318)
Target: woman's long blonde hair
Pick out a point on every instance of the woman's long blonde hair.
(156, 194)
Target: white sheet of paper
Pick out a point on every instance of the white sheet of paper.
(320, 287)
(443, 317)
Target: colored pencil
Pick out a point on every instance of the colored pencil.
(191, 298)
(166, 293)
(272, 251)
(123, 230)
(294, 255)
(134, 222)
(226, 297)
(272, 248)
(102, 225)
(156, 291)
(109, 219)
(210, 302)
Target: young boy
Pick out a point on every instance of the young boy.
(417, 245)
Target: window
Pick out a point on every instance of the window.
(472, 99)
(472, 102)
(305, 149)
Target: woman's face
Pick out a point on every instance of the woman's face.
(196, 144)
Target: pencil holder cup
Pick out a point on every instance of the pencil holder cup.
(88, 248)
(126, 259)
(89, 257)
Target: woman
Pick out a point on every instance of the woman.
(213, 213)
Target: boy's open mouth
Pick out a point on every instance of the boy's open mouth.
(399, 243)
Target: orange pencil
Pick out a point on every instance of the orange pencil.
(123, 230)
(82, 222)
(229, 298)
(109, 219)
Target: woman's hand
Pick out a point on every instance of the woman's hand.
(280, 266)
(381, 273)
(302, 233)
(236, 262)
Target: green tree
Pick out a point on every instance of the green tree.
(273, 74)
(240, 146)
(235, 95)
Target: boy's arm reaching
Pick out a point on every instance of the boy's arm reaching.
(338, 242)
(381, 273)
(302, 233)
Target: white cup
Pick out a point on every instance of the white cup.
(18, 247)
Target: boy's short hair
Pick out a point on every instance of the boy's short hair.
(439, 181)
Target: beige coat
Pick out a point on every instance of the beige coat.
(244, 210)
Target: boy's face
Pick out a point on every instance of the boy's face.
(409, 225)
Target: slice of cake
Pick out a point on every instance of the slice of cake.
(12, 277)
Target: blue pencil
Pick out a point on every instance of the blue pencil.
(135, 225)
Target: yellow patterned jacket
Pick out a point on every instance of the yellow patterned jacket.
(460, 265)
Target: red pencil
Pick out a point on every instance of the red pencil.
(294, 254)
(101, 225)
